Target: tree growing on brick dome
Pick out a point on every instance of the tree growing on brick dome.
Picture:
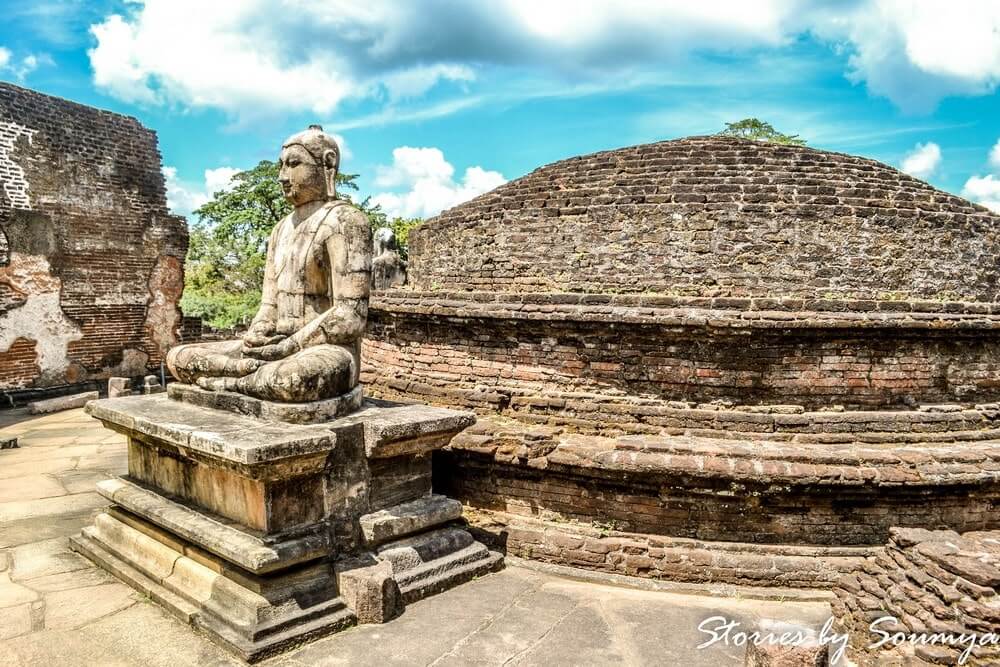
(759, 130)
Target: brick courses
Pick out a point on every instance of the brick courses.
(714, 217)
(814, 359)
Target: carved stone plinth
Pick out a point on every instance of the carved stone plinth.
(267, 533)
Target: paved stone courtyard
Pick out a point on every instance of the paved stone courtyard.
(56, 608)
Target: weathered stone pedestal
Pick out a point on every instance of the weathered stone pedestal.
(268, 534)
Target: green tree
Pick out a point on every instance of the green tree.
(758, 130)
(224, 269)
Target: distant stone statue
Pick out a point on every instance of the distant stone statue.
(304, 343)
(388, 268)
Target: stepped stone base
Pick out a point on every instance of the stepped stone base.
(269, 534)
(253, 616)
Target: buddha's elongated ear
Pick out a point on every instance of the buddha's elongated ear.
(331, 165)
(331, 159)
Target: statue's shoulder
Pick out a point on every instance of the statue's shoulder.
(340, 216)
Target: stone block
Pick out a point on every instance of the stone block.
(804, 651)
(240, 547)
(254, 617)
(398, 430)
(119, 387)
(151, 385)
(8, 442)
(431, 562)
(62, 403)
(369, 589)
(408, 518)
(261, 532)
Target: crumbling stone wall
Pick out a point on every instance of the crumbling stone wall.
(714, 216)
(94, 261)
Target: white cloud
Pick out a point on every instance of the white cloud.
(219, 179)
(915, 52)
(995, 155)
(20, 68)
(985, 191)
(429, 182)
(922, 160)
(183, 197)
(253, 57)
(257, 56)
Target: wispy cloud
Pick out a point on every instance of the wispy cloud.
(394, 115)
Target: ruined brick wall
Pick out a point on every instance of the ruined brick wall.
(713, 216)
(93, 265)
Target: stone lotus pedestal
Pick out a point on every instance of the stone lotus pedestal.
(269, 533)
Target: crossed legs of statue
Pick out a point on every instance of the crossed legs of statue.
(315, 373)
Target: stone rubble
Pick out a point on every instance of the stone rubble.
(929, 581)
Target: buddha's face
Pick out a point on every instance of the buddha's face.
(302, 179)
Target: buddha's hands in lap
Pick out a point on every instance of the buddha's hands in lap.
(261, 343)
(282, 348)
(260, 334)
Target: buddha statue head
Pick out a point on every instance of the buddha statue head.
(384, 240)
(308, 166)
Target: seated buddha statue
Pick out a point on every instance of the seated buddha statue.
(304, 343)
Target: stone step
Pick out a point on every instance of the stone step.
(408, 518)
(225, 541)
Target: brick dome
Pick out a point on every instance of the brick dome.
(714, 216)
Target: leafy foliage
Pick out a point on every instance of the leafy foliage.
(224, 269)
(759, 130)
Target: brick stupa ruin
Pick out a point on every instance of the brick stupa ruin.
(707, 360)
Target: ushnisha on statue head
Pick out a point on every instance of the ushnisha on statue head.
(308, 166)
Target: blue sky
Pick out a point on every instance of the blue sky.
(439, 100)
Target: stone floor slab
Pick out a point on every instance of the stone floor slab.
(62, 581)
(12, 594)
(48, 557)
(76, 607)
(80, 481)
(25, 531)
(15, 621)
(37, 509)
(12, 470)
(30, 487)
